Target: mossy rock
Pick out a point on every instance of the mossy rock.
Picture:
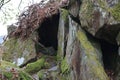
(91, 59)
(36, 66)
(16, 49)
(115, 11)
(65, 68)
(10, 71)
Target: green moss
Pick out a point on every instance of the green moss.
(10, 49)
(35, 66)
(5, 64)
(41, 74)
(91, 60)
(24, 76)
(115, 11)
(8, 75)
(59, 56)
(86, 9)
(64, 66)
(64, 14)
(5, 69)
(16, 47)
(103, 4)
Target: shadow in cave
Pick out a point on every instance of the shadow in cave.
(47, 41)
(47, 32)
(110, 55)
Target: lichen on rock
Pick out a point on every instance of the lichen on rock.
(17, 48)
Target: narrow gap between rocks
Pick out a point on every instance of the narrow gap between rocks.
(109, 53)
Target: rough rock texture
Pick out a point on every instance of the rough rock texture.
(88, 41)
(101, 18)
(18, 51)
(83, 58)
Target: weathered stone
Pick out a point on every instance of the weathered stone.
(62, 31)
(19, 51)
(73, 7)
(101, 18)
(83, 58)
(91, 59)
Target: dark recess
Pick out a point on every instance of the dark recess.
(110, 54)
(110, 58)
(48, 32)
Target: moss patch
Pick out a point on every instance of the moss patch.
(64, 66)
(16, 48)
(64, 14)
(86, 9)
(35, 66)
(115, 11)
(91, 58)
(6, 70)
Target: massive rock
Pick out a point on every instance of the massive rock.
(19, 51)
(101, 18)
(82, 57)
(88, 40)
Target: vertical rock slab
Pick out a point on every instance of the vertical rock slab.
(91, 63)
(62, 31)
(83, 58)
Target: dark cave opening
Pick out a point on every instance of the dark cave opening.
(48, 32)
(109, 56)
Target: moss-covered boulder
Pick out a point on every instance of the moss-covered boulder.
(101, 18)
(91, 59)
(19, 51)
(35, 66)
(9, 71)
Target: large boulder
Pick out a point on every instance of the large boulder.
(19, 51)
(101, 18)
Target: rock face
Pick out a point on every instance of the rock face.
(80, 53)
(87, 42)
(101, 18)
(18, 51)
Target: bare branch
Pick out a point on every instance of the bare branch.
(19, 5)
(2, 3)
